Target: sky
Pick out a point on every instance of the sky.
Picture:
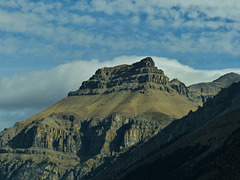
(47, 48)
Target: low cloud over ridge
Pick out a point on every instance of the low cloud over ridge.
(22, 96)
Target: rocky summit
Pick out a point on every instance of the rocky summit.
(116, 111)
(140, 75)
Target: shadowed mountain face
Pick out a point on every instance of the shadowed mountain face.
(117, 111)
(202, 145)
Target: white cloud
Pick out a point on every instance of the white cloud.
(218, 8)
(76, 19)
(188, 75)
(81, 5)
(135, 20)
(24, 95)
(87, 24)
(203, 14)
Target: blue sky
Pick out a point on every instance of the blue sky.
(48, 47)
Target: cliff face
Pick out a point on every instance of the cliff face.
(140, 75)
(63, 145)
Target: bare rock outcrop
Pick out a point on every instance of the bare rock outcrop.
(62, 145)
(140, 75)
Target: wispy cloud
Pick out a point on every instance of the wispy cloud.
(103, 28)
(21, 96)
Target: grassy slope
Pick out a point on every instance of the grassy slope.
(127, 103)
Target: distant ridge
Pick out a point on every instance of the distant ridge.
(227, 79)
(199, 93)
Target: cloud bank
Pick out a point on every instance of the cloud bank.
(24, 95)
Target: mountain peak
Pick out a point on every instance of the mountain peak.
(140, 75)
(146, 62)
(228, 79)
(179, 86)
(175, 81)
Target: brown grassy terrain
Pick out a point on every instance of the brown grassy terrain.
(126, 103)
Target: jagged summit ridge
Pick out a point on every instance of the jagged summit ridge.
(146, 62)
(140, 75)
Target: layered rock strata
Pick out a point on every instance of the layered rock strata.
(140, 75)
(63, 146)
